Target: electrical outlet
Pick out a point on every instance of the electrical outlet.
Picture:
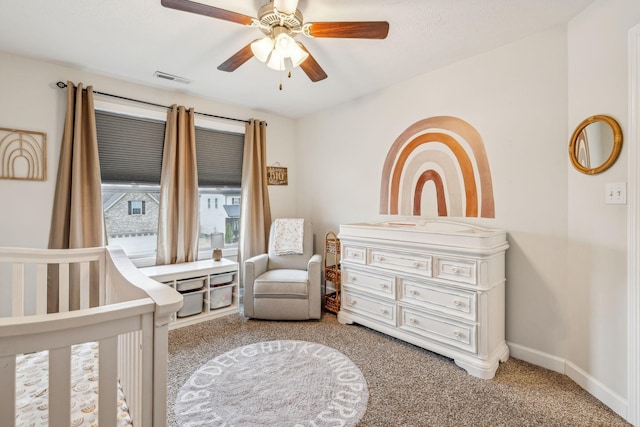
(616, 193)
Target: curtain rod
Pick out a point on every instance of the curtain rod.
(63, 85)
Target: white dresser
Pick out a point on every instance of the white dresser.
(436, 284)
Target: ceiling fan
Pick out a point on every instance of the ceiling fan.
(281, 21)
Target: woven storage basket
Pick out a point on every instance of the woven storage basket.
(332, 303)
(332, 274)
(332, 271)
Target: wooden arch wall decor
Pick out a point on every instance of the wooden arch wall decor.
(23, 155)
(447, 152)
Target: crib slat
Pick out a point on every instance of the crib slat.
(108, 374)
(153, 414)
(102, 286)
(63, 288)
(41, 289)
(8, 382)
(84, 285)
(60, 387)
(130, 366)
(17, 278)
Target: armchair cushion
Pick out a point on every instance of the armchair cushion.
(282, 284)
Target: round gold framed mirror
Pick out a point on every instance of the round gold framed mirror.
(595, 144)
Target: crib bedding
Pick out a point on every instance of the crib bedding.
(32, 389)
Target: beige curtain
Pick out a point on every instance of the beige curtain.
(178, 216)
(77, 220)
(255, 215)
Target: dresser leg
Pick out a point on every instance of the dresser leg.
(485, 372)
(485, 369)
(345, 320)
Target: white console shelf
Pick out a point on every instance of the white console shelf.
(436, 284)
(201, 282)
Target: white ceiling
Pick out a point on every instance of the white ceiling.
(131, 39)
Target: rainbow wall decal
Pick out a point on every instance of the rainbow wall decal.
(446, 152)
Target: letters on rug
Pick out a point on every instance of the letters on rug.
(285, 383)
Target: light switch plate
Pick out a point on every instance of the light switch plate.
(616, 193)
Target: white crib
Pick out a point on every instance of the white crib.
(129, 325)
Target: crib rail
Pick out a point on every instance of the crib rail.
(71, 265)
(57, 333)
(130, 325)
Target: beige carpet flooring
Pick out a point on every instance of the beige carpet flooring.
(408, 386)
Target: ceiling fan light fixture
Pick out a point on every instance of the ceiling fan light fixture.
(276, 61)
(285, 45)
(261, 48)
(298, 55)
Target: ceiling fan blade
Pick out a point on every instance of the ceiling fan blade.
(353, 30)
(311, 68)
(237, 59)
(206, 10)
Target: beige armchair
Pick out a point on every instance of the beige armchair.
(284, 287)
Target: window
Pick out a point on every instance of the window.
(130, 150)
(136, 207)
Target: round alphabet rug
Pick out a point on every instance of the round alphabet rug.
(274, 383)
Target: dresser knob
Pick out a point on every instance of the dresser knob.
(455, 270)
(413, 321)
(351, 302)
(385, 311)
(417, 265)
(384, 286)
(457, 303)
(457, 334)
(353, 278)
(414, 293)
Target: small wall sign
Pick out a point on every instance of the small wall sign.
(277, 175)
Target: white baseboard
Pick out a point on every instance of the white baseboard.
(617, 403)
(538, 358)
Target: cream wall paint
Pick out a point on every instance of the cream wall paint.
(30, 101)
(516, 97)
(597, 232)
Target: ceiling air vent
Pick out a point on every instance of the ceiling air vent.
(171, 77)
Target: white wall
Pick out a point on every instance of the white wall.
(597, 232)
(30, 101)
(566, 280)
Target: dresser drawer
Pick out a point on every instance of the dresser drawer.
(458, 270)
(384, 311)
(444, 300)
(436, 328)
(400, 261)
(355, 254)
(369, 282)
